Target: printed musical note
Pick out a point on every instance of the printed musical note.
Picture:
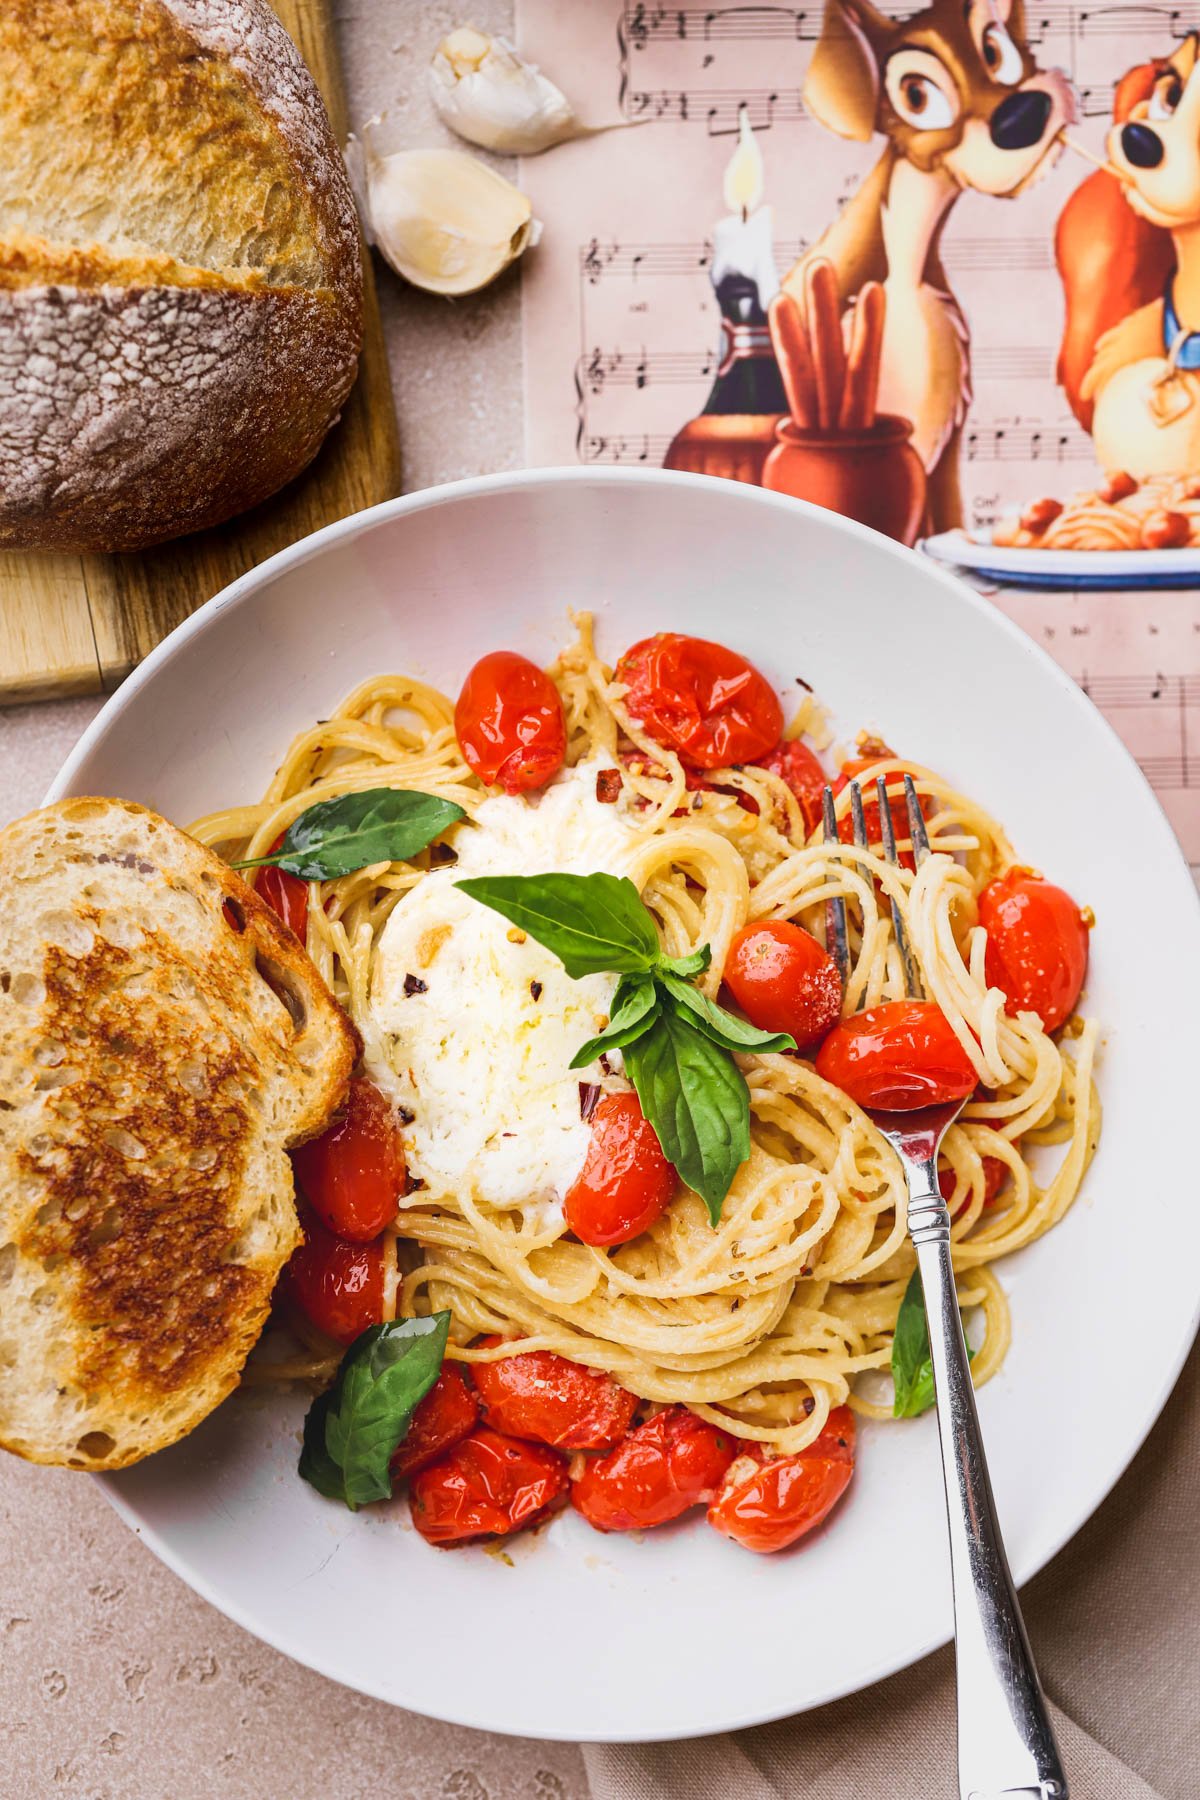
(717, 109)
(1028, 443)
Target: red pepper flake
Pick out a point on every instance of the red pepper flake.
(413, 1185)
(589, 1095)
(414, 985)
(809, 1404)
(406, 1114)
(605, 1065)
(535, 988)
(608, 786)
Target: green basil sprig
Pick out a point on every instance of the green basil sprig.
(912, 1364)
(340, 836)
(352, 1430)
(677, 1043)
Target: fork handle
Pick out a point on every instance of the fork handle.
(1005, 1741)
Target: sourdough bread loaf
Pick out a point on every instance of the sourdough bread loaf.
(163, 1040)
(180, 283)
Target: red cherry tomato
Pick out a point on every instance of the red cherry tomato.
(1037, 949)
(285, 894)
(897, 806)
(444, 1417)
(626, 1182)
(338, 1285)
(767, 1503)
(795, 763)
(509, 723)
(783, 980)
(353, 1175)
(701, 700)
(897, 1057)
(553, 1400)
(671, 1463)
(487, 1486)
(994, 1173)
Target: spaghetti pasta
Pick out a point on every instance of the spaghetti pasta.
(786, 1308)
(1160, 513)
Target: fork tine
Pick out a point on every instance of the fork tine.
(856, 814)
(912, 981)
(836, 937)
(916, 822)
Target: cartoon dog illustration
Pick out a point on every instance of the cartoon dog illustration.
(957, 94)
(1128, 247)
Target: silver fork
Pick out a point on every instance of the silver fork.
(1005, 1742)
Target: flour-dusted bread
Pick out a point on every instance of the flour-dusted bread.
(163, 1038)
(180, 283)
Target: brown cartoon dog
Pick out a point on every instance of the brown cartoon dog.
(1129, 254)
(962, 103)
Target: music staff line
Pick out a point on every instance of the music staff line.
(1000, 444)
(642, 25)
(1121, 691)
(598, 260)
(604, 369)
(719, 109)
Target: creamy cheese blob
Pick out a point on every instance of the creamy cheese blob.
(477, 1031)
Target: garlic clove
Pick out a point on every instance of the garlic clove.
(486, 92)
(441, 218)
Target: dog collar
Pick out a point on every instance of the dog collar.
(1182, 347)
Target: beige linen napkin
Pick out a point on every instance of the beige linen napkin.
(1115, 1622)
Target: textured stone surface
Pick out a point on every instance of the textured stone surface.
(116, 1681)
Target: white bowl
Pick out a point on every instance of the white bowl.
(591, 1637)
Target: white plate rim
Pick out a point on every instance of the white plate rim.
(240, 591)
(959, 550)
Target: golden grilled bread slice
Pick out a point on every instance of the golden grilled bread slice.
(163, 1040)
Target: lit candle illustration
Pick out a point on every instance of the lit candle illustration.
(735, 432)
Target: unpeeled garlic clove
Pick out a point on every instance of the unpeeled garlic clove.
(441, 218)
(487, 93)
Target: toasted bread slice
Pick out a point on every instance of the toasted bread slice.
(163, 1040)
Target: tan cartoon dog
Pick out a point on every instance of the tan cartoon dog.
(1136, 234)
(962, 103)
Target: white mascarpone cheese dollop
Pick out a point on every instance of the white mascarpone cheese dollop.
(480, 1054)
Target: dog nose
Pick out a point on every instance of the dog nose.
(1142, 146)
(1020, 120)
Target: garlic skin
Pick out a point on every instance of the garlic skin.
(441, 218)
(487, 93)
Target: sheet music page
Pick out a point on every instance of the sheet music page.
(623, 331)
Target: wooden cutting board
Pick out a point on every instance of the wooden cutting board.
(78, 624)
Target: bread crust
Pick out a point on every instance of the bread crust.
(163, 1039)
(158, 383)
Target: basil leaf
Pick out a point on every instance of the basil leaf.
(352, 1431)
(592, 923)
(912, 1364)
(724, 1028)
(686, 966)
(696, 1098)
(635, 1007)
(338, 837)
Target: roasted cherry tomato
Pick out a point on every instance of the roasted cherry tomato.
(553, 1400)
(338, 1285)
(795, 763)
(509, 723)
(626, 1182)
(353, 1174)
(701, 700)
(444, 1417)
(1037, 949)
(897, 1057)
(783, 980)
(994, 1173)
(877, 752)
(671, 1463)
(285, 894)
(487, 1486)
(767, 1503)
